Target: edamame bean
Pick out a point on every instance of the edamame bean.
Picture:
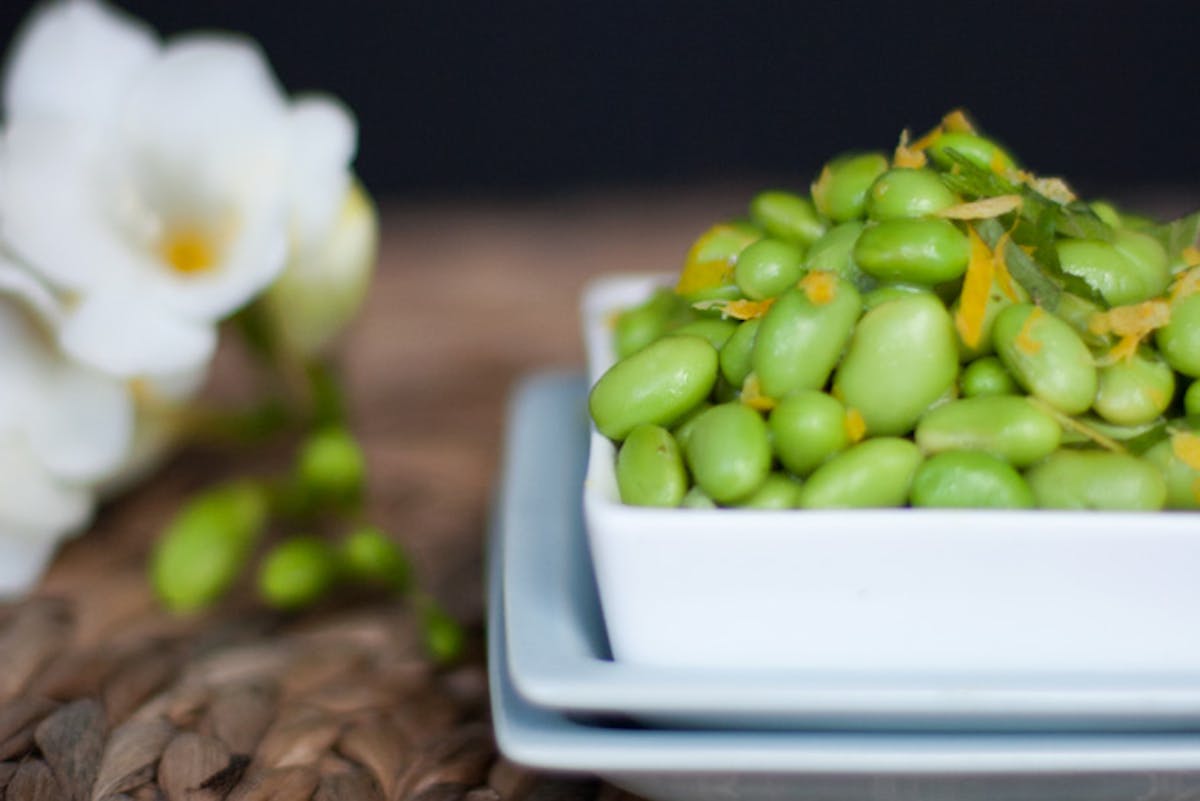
(768, 267)
(980, 151)
(1147, 256)
(1191, 399)
(658, 385)
(728, 452)
(969, 480)
(802, 335)
(786, 215)
(834, 253)
(1109, 270)
(901, 359)
(1078, 313)
(1046, 357)
(738, 351)
(1069, 479)
(779, 491)
(923, 251)
(840, 192)
(875, 472)
(1134, 391)
(901, 193)
(297, 572)
(806, 429)
(887, 292)
(682, 431)
(1176, 458)
(717, 332)
(637, 327)
(986, 376)
(650, 468)
(696, 499)
(1179, 340)
(1106, 212)
(1006, 426)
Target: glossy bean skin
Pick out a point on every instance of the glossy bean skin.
(738, 351)
(658, 384)
(840, 192)
(779, 491)
(786, 215)
(1147, 256)
(717, 332)
(901, 359)
(1182, 480)
(1191, 399)
(883, 293)
(986, 376)
(1179, 340)
(807, 428)
(923, 251)
(768, 267)
(1134, 391)
(969, 480)
(637, 327)
(834, 253)
(708, 269)
(696, 499)
(874, 473)
(682, 431)
(1078, 313)
(1008, 427)
(729, 452)
(650, 469)
(980, 151)
(1070, 479)
(903, 193)
(800, 340)
(1109, 270)
(1046, 357)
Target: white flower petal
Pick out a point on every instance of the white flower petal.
(324, 139)
(127, 334)
(73, 60)
(57, 208)
(83, 427)
(33, 500)
(19, 285)
(24, 554)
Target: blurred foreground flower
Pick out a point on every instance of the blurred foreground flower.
(149, 191)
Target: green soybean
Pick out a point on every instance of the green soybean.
(682, 430)
(696, 499)
(729, 452)
(834, 253)
(1106, 212)
(884, 293)
(723, 242)
(1182, 479)
(840, 192)
(650, 468)
(1070, 479)
(297, 572)
(779, 491)
(969, 480)
(738, 351)
(901, 359)
(1147, 256)
(717, 332)
(875, 472)
(923, 251)
(768, 267)
(637, 327)
(1110, 271)
(1179, 340)
(801, 338)
(1046, 357)
(786, 215)
(807, 428)
(1191, 399)
(901, 193)
(980, 151)
(658, 385)
(1006, 426)
(1134, 391)
(986, 376)
(1078, 313)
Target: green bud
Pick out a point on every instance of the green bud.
(444, 638)
(371, 556)
(297, 572)
(331, 468)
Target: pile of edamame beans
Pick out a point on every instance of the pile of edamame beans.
(931, 328)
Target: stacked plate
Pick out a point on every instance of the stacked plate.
(561, 702)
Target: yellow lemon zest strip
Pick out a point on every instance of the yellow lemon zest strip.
(820, 287)
(855, 425)
(1191, 256)
(981, 209)
(1134, 319)
(701, 275)
(929, 139)
(1025, 341)
(956, 121)
(1187, 283)
(907, 156)
(1186, 447)
(977, 285)
(998, 165)
(753, 396)
(746, 309)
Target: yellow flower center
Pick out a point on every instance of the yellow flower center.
(188, 250)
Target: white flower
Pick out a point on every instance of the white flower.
(62, 428)
(158, 187)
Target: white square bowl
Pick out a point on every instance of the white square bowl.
(896, 592)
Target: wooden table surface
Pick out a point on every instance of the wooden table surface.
(102, 695)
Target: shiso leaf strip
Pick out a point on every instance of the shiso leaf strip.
(981, 209)
(1041, 286)
(1178, 235)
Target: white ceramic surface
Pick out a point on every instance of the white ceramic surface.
(559, 658)
(674, 765)
(899, 592)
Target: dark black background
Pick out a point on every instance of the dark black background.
(518, 97)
